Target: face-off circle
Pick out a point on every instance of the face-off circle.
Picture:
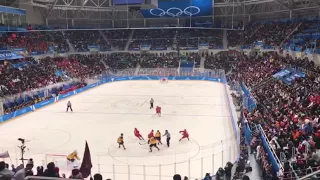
(177, 153)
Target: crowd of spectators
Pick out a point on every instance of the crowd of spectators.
(305, 37)
(304, 63)
(288, 114)
(28, 75)
(162, 60)
(238, 37)
(217, 61)
(122, 60)
(82, 40)
(52, 171)
(38, 42)
(190, 58)
(118, 38)
(193, 38)
(271, 33)
(159, 39)
(42, 42)
(254, 70)
(156, 39)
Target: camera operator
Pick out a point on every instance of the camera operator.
(227, 170)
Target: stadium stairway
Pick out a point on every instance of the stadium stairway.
(263, 83)
(136, 73)
(202, 60)
(106, 39)
(174, 44)
(254, 32)
(224, 40)
(70, 46)
(129, 40)
(255, 174)
(104, 64)
(290, 34)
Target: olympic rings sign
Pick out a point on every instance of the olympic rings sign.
(176, 12)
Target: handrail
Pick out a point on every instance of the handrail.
(309, 175)
(272, 150)
(300, 68)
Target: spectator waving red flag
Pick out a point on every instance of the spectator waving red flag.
(86, 165)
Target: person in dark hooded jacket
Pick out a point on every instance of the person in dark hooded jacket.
(50, 171)
(207, 177)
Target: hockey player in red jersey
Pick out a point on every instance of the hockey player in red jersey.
(150, 135)
(185, 134)
(137, 134)
(158, 111)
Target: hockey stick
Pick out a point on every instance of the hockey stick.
(142, 143)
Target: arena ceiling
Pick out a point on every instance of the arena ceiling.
(228, 10)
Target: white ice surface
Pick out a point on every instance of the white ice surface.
(103, 113)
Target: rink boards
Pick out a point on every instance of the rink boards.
(28, 109)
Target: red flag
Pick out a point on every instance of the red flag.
(86, 165)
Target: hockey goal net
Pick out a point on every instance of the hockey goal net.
(163, 80)
(60, 161)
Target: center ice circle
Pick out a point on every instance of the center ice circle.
(137, 154)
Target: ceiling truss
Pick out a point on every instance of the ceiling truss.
(102, 10)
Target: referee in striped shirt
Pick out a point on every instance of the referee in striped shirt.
(167, 134)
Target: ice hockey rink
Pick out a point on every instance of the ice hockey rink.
(101, 114)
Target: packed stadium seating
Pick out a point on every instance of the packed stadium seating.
(287, 113)
(118, 38)
(82, 40)
(305, 38)
(193, 38)
(157, 39)
(36, 42)
(271, 33)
